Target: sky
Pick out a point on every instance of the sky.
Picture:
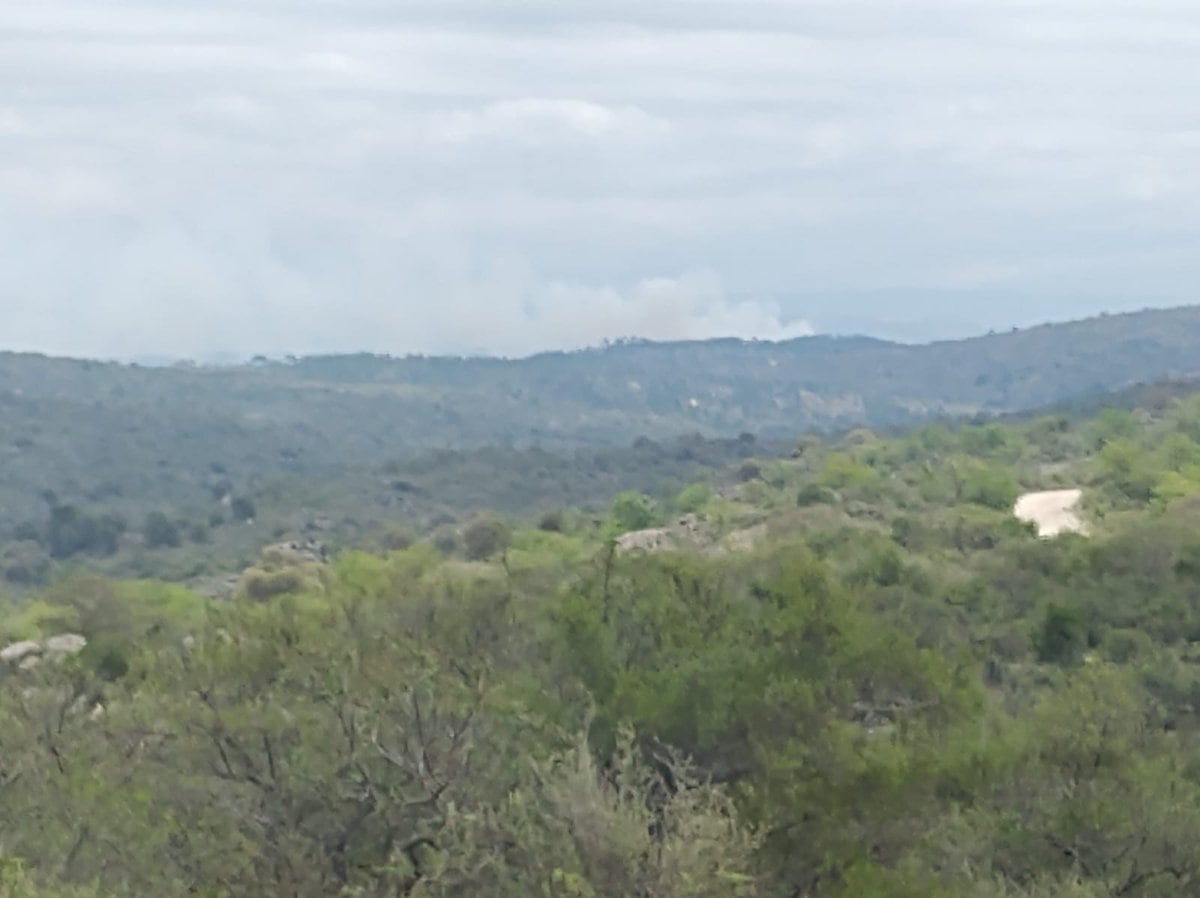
(457, 176)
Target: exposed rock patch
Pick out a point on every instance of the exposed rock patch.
(66, 644)
(689, 530)
(27, 654)
(19, 651)
(1053, 512)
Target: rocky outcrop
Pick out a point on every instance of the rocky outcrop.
(690, 530)
(1053, 512)
(65, 644)
(296, 552)
(19, 651)
(27, 654)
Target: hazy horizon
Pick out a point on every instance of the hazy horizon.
(220, 358)
(451, 177)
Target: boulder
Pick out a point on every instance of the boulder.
(18, 651)
(689, 530)
(65, 644)
(654, 540)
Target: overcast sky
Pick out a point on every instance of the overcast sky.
(294, 176)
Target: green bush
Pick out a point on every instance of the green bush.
(991, 487)
(73, 532)
(261, 584)
(749, 470)
(1127, 645)
(632, 511)
(814, 494)
(243, 509)
(553, 521)
(445, 539)
(160, 532)
(485, 537)
(1062, 636)
(694, 498)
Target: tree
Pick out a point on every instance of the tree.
(632, 511)
(1062, 636)
(842, 471)
(991, 487)
(814, 494)
(160, 532)
(693, 498)
(553, 521)
(71, 532)
(1127, 468)
(242, 508)
(485, 537)
(635, 826)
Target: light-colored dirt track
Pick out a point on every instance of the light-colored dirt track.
(1054, 511)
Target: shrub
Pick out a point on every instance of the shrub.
(445, 539)
(843, 472)
(1126, 645)
(260, 584)
(161, 532)
(552, 522)
(749, 470)
(991, 487)
(693, 498)
(25, 564)
(396, 539)
(813, 494)
(1062, 636)
(632, 511)
(485, 537)
(242, 508)
(72, 532)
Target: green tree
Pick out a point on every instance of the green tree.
(243, 509)
(160, 531)
(71, 532)
(1062, 636)
(991, 487)
(841, 471)
(485, 537)
(632, 511)
(693, 498)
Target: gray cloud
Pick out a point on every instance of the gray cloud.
(459, 176)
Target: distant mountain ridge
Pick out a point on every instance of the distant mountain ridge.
(81, 428)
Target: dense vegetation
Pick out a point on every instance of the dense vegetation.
(127, 535)
(94, 455)
(849, 673)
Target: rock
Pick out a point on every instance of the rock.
(1053, 512)
(29, 662)
(689, 529)
(220, 587)
(654, 540)
(296, 552)
(18, 651)
(65, 644)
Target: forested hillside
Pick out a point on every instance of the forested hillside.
(95, 456)
(849, 672)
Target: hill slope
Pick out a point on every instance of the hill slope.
(851, 672)
(87, 430)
